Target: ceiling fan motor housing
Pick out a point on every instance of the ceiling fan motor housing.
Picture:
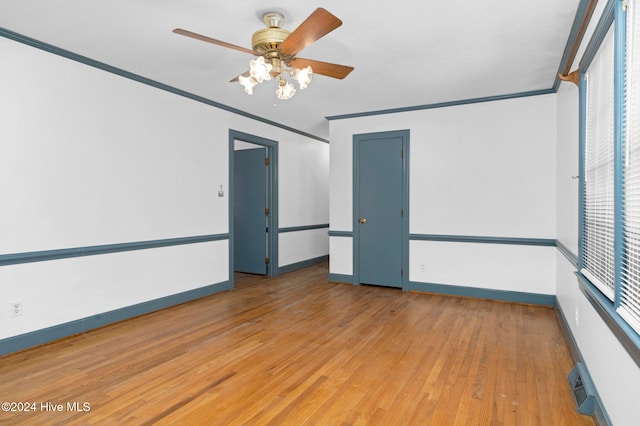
(268, 39)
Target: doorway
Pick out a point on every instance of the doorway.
(381, 208)
(250, 207)
(253, 205)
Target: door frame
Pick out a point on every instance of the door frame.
(357, 140)
(272, 198)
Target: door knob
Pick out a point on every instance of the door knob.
(363, 221)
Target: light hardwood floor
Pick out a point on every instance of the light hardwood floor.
(300, 350)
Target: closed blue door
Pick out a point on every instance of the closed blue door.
(379, 206)
(250, 202)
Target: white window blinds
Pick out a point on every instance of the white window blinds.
(598, 245)
(629, 306)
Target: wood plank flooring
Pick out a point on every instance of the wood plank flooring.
(300, 350)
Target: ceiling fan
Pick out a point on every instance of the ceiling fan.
(276, 49)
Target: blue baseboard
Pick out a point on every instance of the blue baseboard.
(60, 331)
(304, 264)
(341, 278)
(483, 293)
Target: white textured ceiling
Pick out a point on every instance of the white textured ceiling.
(405, 53)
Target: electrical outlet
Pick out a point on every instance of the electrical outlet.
(422, 267)
(577, 312)
(16, 308)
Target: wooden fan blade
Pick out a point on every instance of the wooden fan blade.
(236, 79)
(317, 25)
(323, 68)
(214, 41)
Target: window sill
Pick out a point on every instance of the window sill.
(629, 339)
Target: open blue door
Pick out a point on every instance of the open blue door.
(250, 202)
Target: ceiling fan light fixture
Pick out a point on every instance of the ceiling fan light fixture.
(260, 70)
(303, 76)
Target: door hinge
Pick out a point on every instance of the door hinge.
(266, 161)
(266, 260)
(266, 211)
(402, 153)
(402, 213)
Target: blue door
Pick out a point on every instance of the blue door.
(250, 202)
(379, 209)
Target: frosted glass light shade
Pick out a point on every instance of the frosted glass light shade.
(248, 83)
(285, 91)
(303, 76)
(260, 70)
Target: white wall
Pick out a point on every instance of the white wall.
(341, 255)
(304, 184)
(568, 167)
(485, 170)
(90, 158)
(303, 198)
(56, 292)
(506, 267)
(613, 371)
(299, 246)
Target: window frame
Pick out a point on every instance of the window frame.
(613, 14)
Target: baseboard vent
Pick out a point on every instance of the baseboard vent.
(583, 390)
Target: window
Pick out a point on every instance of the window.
(610, 202)
(629, 303)
(598, 196)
